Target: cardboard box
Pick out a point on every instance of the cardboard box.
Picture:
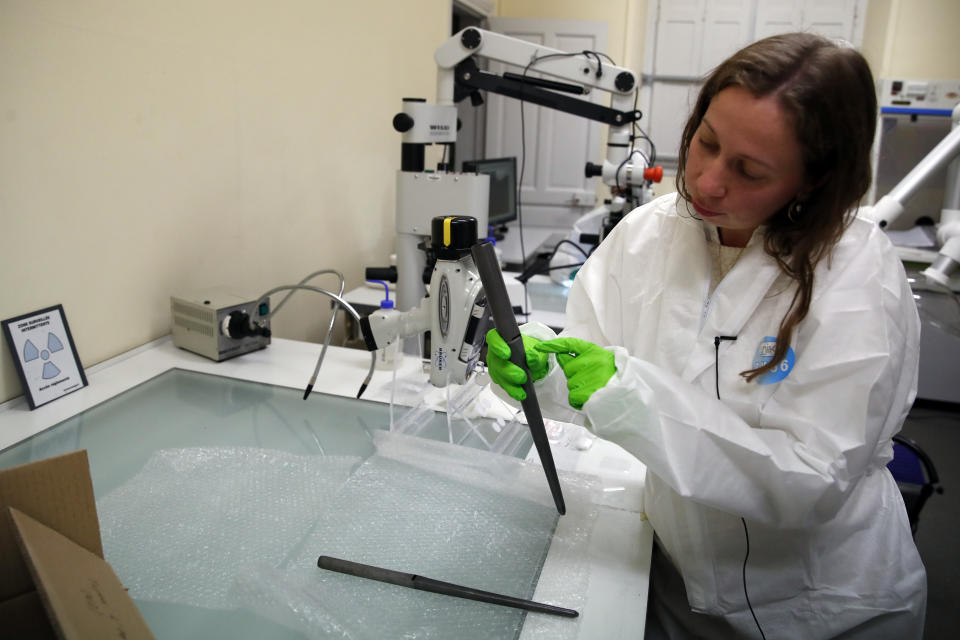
(54, 582)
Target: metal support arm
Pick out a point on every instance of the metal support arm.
(469, 78)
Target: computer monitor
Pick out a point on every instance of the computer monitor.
(503, 187)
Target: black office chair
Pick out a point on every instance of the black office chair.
(915, 474)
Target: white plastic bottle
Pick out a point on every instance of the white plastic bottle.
(387, 356)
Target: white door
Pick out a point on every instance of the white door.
(554, 190)
(831, 18)
(687, 38)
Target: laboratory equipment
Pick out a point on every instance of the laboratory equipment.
(503, 188)
(914, 116)
(219, 324)
(455, 312)
(387, 355)
(893, 205)
(338, 302)
(421, 197)
(424, 583)
(458, 77)
(590, 229)
(915, 163)
(506, 324)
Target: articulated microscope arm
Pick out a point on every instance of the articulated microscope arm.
(580, 73)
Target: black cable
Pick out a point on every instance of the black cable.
(523, 166)
(565, 266)
(523, 160)
(716, 359)
(587, 53)
(653, 147)
(536, 267)
(634, 127)
(652, 158)
(572, 244)
(601, 53)
(746, 534)
(633, 130)
(523, 140)
(643, 134)
(531, 271)
(616, 175)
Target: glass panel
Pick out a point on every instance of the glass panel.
(216, 495)
(549, 296)
(182, 408)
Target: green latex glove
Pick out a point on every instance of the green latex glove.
(588, 366)
(509, 376)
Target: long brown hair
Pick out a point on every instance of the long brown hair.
(827, 91)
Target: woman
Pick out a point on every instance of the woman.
(755, 345)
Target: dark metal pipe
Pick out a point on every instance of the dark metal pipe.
(423, 583)
(506, 323)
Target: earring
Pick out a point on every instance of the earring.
(794, 211)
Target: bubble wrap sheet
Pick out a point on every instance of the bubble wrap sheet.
(179, 529)
(447, 512)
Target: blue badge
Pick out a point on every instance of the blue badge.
(764, 355)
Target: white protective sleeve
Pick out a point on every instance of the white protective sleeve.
(822, 429)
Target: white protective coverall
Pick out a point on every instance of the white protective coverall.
(799, 454)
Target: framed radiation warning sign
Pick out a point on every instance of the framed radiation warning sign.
(44, 355)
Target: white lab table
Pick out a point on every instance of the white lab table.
(619, 550)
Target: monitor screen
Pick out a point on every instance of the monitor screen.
(503, 187)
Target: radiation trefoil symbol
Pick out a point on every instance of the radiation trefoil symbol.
(31, 353)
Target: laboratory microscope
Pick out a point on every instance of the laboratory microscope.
(454, 310)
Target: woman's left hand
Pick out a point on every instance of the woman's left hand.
(588, 366)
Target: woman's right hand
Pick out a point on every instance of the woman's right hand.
(509, 376)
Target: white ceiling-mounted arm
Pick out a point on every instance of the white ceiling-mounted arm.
(947, 262)
(891, 206)
(578, 69)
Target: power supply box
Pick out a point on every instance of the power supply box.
(218, 324)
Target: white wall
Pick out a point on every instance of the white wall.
(148, 147)
(913, 39)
